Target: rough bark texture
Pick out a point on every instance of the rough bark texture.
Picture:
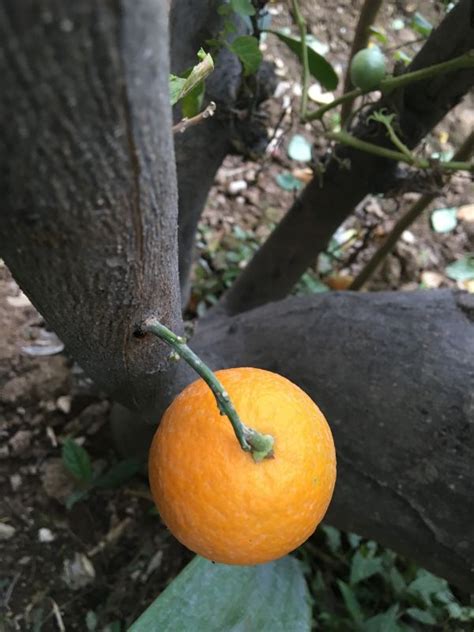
(394, 374)
(87, 184)
(306, 229)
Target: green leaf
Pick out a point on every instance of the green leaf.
(247, 50)
(421, 25)
(77, 461)
(299, 148)
(288, 182)
(118, 474)
(384, 622)
(354, 540)
(351, 602)
(207, 597)
(426, 585)
(423, 616)
(319, 67)
(181, 86)
(364, 566)
(75, 497)
(91, 621)
(400, 55)
(242, 7)
(333, 537)
(444, 220)
(378, 34)
(462, 269)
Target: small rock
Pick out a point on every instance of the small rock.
(4, 452)
(15, 482)
(153, 564)
(20, 441)
(432, 279)
(236, 186)
(63, 404)
(57, 482)
(46, 535)
(78, 572)
(408, 237)
(466, 213)
(6, 531)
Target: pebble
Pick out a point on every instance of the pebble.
(20, 441)
(6, 531)
(63, 404)
(15, 482)
(236, 186)
(46, 535)
(78, 571)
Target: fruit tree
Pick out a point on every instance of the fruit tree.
(100, 206)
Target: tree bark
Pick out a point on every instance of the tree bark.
(306, 229)
(394, 375)
(88, 187)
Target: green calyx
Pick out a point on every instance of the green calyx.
(261, 446)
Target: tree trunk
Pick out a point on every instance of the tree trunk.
(394, 375)
(306, 229)
(88, 190)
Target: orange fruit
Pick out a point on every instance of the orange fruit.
(212, 495)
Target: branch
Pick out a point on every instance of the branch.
(390, 84)
(88, 184)
(367, 17)
(464, 152)
(399, 405)
(421, 163)
(186, 123)
(301, 23)
(306, 229)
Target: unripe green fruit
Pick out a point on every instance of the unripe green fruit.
(367, 68)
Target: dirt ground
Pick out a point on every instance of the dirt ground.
(107, 557)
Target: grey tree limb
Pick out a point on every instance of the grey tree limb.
(309, 224)
(87, 181)
(394, 375)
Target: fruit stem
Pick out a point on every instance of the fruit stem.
(259, 445)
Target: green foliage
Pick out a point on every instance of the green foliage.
(357, 585)
(190, 87)
(247, 49)
(207, 597)
(420, 25)
(78, 462)
(319, 67)
(242, 7)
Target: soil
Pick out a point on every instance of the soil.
(109, 556)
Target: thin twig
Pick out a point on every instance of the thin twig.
(392, 83)
(301, 23)
(422, 163)
(112, 536)
(185, 123)
(367, 17)
(58, 617)
(463, 153)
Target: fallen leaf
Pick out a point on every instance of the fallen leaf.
(444, 220)
(462, 269)
(339, 281)
(299, 148)
(466, 213)
(431, 279)
(288, 182)
(305, 175)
